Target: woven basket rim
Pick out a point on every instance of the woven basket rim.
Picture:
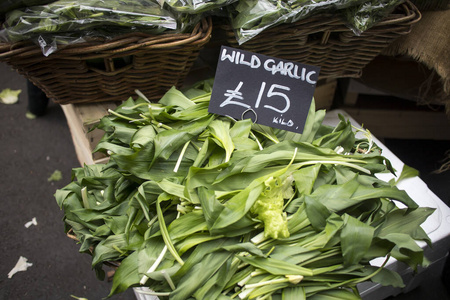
(125, 44)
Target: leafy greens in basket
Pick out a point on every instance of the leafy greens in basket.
(200, 206)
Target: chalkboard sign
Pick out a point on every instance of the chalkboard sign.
(270, 91)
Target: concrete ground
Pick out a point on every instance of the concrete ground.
(32, 149)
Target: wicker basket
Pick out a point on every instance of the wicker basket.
(324, 40)
(111, 70)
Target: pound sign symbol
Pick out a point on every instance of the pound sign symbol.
(234, 94)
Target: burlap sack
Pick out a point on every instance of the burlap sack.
(429, 44)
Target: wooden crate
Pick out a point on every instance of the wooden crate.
(82, 119)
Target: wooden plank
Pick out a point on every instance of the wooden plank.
(403, 124)
(80, 142)
(81, 119)
(90, 114)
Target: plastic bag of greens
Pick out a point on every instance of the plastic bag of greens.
(66, 21)
(362, 17)
(301, 9)
(249, 18)
(73, 16)
(197, 6)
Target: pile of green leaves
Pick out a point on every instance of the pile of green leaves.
(199, 206)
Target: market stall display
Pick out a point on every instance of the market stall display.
(197, 205)
(193, 205)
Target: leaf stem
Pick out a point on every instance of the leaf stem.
(84, 197)
(180, 158)
(140, 94)
(162, 294)
(168, 279)
(159, 124)
(121, 116)
(165, 234)
(154, 265)
(334, 162)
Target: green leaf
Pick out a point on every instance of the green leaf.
(220, 130)
(108, 249)
(210, 206)
(212, 288)
(341, 136)
(245, 247)
(317, 213)
(167, 142)
(406, 249)
(335, 294)
(387, 277)
(403, 221)
(186, 225)
(356, 238)
(313, 123)
(174, 97)
(237, 207)
(134, 266)
(305, 178)
(407, 172)
(199, 274)
(294, 293)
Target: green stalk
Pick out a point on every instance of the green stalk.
(134, 106)
(334, 162)
(84, 197)
(165, 234)
(154, 266)
(142, 205)
(140, 94)
(158, 294)
(201, 98)
(168, 279)
(122, 116)
(159, 124)
(180, 158)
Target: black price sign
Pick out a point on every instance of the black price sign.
(270, 91)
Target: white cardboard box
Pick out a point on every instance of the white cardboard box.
(437, 226)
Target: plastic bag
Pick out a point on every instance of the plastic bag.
(249, 18)
(67, 22)
(362, 17)
(197, 6)
(300, 9)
